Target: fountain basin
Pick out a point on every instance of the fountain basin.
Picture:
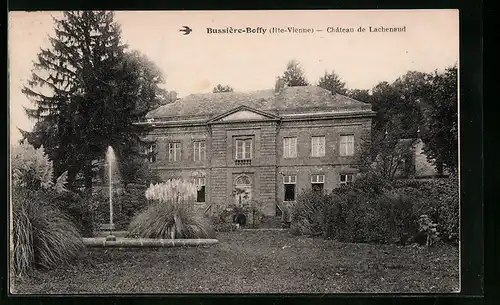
(101, 242)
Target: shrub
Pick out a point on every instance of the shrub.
(78, 209)
(126, 205)
(172, 213)
(43, 236)
(352, 218)
(361, 212)
(308, 213)
(440, 201)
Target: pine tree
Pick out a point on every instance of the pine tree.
(294, 74)
(87, 91)
(333, 83)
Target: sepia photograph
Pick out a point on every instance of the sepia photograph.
(234, 152)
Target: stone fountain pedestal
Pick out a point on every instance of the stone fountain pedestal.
(110, 228)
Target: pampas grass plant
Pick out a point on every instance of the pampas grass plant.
(172, 214)
(43, 236)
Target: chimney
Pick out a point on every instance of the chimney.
(280, 84)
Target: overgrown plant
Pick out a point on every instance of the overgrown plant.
(43, 236)
(172, 214)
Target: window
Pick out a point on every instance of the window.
(243, 149)
(151, 153)
(199, 150)
(174, 151)
(200, 183)
(347, 145)
(317, 182)
(289, 182)
(318, 146)
(346, 179)
(289, 147)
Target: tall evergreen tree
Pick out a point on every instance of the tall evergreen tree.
(86, 92)
(332, 82)
(294, 74)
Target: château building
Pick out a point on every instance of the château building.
(264, 145)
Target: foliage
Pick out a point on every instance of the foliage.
(332, 82)
(418, 105)
(359, 95)
(308, 213)
(294, 74)
(171, 214)
(87, 91)
(78, 209)
(429, 228)
(222, 221)
(31, 168)
(165, 220)
(126, 204)
(440, 201)
(440, 128)
(221, 88)
(375, 210)
(43, 236)
(387, 156)
(136, 169)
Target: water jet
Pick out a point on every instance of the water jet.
(111, 161)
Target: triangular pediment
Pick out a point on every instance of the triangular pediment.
(244, 113)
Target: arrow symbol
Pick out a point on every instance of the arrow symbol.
(186, 30)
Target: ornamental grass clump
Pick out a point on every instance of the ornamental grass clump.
(171, 213)
(43, 236)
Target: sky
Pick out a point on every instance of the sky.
(197, 62)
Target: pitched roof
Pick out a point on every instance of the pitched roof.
(289, 100)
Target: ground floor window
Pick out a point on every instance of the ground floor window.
(289, 183)
(346, 179)
(317, 183)
(200, 182)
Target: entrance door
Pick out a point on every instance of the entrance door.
(242, 191)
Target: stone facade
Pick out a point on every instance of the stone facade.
(260, 168)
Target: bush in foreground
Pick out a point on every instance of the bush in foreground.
(373, 211)
(43, 236)
(440, 200)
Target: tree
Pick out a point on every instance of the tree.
(333, 83)
(440, 128)
(220, 88)
(87, 91)
(171, 97)
(149, 78)
(361, 95)
(386, 155)
(398, 104)
(294, 74)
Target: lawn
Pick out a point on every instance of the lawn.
(255, 262)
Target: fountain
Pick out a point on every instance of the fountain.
(111, 161)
